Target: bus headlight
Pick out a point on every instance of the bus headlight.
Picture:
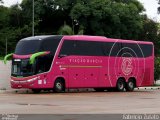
(33, 79)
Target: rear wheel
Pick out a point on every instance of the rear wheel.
(130, 85)
(36, 91)
(120, 85)
(59, 86)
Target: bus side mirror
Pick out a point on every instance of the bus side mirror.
(6, 57)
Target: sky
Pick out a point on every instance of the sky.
(151, 9)
(150, 6)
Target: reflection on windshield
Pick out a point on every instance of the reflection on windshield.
(15, 68)
(26, 68)
(22, 68)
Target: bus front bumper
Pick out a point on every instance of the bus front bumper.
(29, 83)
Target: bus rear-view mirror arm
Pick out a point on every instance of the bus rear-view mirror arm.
(7, 57)
(35, 55)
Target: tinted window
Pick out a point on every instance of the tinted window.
(86, 48)
(68, 47)
(131, 50)
(137, 50)
(147, 49)
(116, 50)
(89, 48)
(94, 48)
(106, 47)
(26, 47)
(50, 44)
(43, 64)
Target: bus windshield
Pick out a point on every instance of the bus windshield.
(32, 45)
(22, 68)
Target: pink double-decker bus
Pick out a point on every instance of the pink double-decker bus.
(79, 61)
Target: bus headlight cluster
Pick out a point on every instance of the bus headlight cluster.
(25, 81)
(33, 79)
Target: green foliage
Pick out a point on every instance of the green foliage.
(4, 17)
(110, 18)
(157, 68)
(151, 33)
(66, 30)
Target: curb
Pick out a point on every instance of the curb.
(148, 88)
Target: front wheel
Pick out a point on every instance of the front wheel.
(121, 85)
(59, 86)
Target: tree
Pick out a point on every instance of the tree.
(151, 33)
(67, 30)
(111, 18)
(157, 68)
(48, 15)
(4, 17)
(4, 20)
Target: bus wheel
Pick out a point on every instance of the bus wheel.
(99, 89)
(36, 91)
(130, 85)
(59, 86)
(120, 85)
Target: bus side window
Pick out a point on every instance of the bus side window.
(106, 48)
(43, 64)
(127, 50)
(147, 50)
(68, 48)
(116, 50)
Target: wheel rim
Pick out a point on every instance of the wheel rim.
(59, 86)
(131, 85)
(121, 85)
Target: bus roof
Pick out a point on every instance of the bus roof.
(41, 37)
(102, 38)
(85, 37)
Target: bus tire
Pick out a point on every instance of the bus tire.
(59, 85)
(130, 85)
(120, 85)
(36, 91)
